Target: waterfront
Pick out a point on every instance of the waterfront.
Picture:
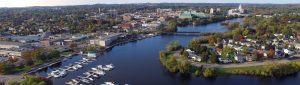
(137, 63)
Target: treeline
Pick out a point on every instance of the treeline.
(40, 56)
(33, 80)
(30, 58)
(204, 21)
(268, 70)
(171, 26)
(172, 62)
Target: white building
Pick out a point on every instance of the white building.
(8, 45)
(211, 11)
(240, 11)
(105, 40)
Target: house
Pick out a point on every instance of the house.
(287, 51)
(225, 61)
(124, 26)
(127, 18)
(239, 58)
(193, 56)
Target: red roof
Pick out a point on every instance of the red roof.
(124, 26)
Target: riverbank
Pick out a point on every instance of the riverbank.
(171, 60)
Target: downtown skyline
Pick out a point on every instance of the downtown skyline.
(28, 3)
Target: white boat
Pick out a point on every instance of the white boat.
(110, 66)
(99, 72)
(95, 69)
(106, 69)
(96, 76)
(87, 73)
(99, 66)
(74, 80)
(109, 83)
(79, 66)
(85, 80)
(91, 79)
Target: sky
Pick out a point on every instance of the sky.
(26, 3)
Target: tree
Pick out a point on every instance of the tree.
(227, 52)
(53, 54)
(211, 40)
(7, 68)
(34, 80)
(197, 72)
(73, 45)
(245, 49)
(209, 72)
(213, 58)
(172, 26)
(184, 66)
(204, 56)
(271, 53)
(171, 64)
(173, 46)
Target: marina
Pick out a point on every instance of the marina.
(91, 75)
(71, 67)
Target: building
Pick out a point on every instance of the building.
(211, 11)
(16, 52)
(127, 18)
(25, 39)
(8, 45)
(192, 14)
(105, 40)
(124, 26)
(51, 42)
(239, 11)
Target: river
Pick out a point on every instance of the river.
(137, 63)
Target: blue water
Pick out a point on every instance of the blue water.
(137, 63)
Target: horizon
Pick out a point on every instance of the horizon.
(41, 3)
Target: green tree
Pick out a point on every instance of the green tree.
(173, 46)
(204, 56)
(213, 58)
(209, 72)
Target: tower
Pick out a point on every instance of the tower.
(241, 10)
(211, 10)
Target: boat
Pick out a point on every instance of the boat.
(96, 76)
(110, 66)
(99, 66)
(79, 66)
(95, 69)
(91, 79)
(106, 69)
(85, 80)
(99, 72)
(109, 83)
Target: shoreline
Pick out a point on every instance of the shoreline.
(43, 66)
(268, 68)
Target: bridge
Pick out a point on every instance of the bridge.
(184, 33)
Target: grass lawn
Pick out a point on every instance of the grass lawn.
(230, 71)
